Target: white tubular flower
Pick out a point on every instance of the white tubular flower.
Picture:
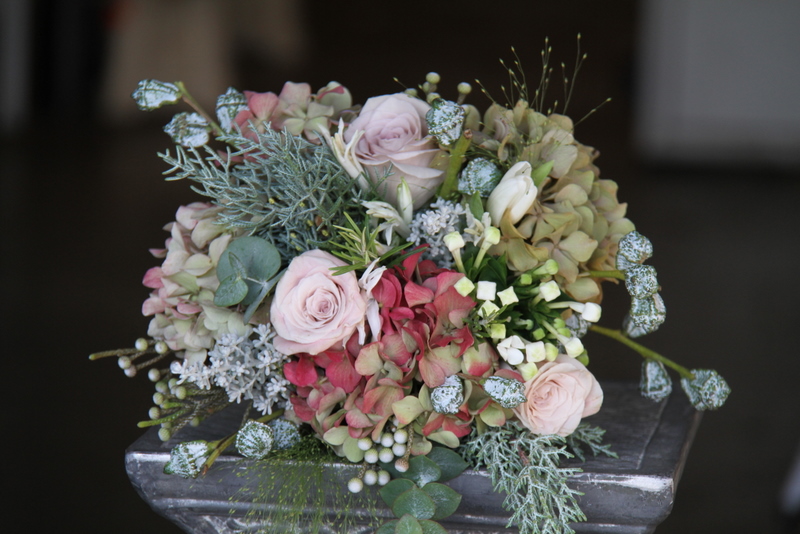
(491, 236)
(574, 347)
(589, 311)
(488, 309)
(514, 194)
(507, 296)
(549, 290)
(464, 286)
(344, 152)
(535, 352)
(486, 290)
(550, 351)
(510, 350)
(453, 241)
(497, 330)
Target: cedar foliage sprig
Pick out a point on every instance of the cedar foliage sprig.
(526, 468)
(280, 187)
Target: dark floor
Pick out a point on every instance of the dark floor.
(82, 204)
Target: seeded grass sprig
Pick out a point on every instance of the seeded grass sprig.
(279, 187)
(526, 468)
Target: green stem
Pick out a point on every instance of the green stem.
(165, 419)
(642, 350)
(448, 187)
(189, 99)
(619, 275)
(222, 444)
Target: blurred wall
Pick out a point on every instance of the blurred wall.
(719, 82)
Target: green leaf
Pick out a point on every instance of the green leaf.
(393, 489)
(408, 524)
(540, 173)
(415, 502)
(432, 527)
(388, 527)
(447, 499)
(450, 463)
(256, 257)
(495, 270)
(230, 292)
(422, 470)
(476, 205)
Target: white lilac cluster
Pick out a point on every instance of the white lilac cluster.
(429, 227)
(249, 369)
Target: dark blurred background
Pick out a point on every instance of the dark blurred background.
(702, 135)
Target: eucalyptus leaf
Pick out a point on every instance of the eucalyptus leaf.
(259, 259)
(230, 292)
(450, 463)
(446, 498)
(393, 489)
(414, 502)
(432, 527)
(388, 527)
(408, 524)
(422, 470)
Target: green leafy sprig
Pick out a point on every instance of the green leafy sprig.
(526, 468)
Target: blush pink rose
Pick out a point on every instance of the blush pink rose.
(558, 397)
(396, 135)
(313, 310)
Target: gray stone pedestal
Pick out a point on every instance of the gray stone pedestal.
(631, 494)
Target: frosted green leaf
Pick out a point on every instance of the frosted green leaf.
(445, 498)
(414, 502)
(228, 106)
(634, 248)
(648, 313)
(641, 281)
(506, 391)
(285, 434)
(394, 489)
(422, 470)
(450, 463)
(152, 94)
(632, 330)
(448, 397)
(255, 440)
(479, 176)
(707, 391)
(655, 384)
(187, 459)
(431, 527)
(408, 524)
(188, 129)
(445, 121)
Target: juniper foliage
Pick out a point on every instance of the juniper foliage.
(526, 468)
(279, 187)
(589, 436)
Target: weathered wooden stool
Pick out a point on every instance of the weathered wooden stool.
(631, 494)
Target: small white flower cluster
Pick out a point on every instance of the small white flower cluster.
(431, 226)
(246, 369)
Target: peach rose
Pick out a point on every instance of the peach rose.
(561, 393)
(396, 134)
(313, 310)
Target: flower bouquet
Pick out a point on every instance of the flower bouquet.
(404, 283)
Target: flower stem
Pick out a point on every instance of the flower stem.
(222, 444)
(619, 275)
(448, 187)
(189, 99)
(641, 349)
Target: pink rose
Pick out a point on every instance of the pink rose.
(396, 135)
(313, 310)
(561, 393)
